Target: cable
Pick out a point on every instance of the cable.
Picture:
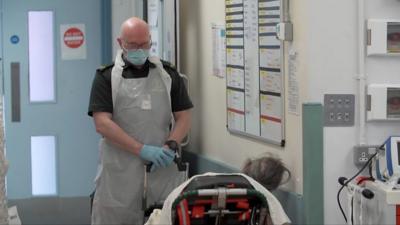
(340, 205)
(352, 210)
(370, 171)
(348, 181)
(252, 216)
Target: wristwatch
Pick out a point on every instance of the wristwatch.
(173, 145)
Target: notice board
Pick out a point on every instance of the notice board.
(254, 70)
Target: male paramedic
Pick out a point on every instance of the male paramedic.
(141, 108)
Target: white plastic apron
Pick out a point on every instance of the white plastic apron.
(142, 108)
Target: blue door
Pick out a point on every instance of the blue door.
(51, 49)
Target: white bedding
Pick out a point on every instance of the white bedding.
(163, 217)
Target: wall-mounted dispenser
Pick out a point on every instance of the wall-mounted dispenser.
(383, 102)
(383, 37)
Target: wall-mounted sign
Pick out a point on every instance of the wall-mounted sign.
(14, 39)
(73, 41)
(73, 37)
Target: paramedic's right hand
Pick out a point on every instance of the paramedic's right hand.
(157, 155)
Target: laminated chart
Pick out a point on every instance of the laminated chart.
(253, 70)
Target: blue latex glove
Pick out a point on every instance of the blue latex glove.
(158, 156)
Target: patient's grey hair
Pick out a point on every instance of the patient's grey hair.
(267, 170)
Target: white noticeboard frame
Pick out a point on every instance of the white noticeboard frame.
(255, 70)
(73, 41)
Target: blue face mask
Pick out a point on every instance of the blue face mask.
(137, 57)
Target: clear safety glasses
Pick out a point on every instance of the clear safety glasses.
(135, 46)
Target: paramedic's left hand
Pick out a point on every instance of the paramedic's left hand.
(167, 162)
(169, 152)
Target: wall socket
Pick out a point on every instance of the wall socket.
(362, 153)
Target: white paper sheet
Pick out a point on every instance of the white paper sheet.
(235, 110)
(235, 100)
(270, 81)
(153, 8)
(235, 57)
(235, 77)
(270, 58)
(271, 106)
(155, 42)
(219, 59)
(293, 83)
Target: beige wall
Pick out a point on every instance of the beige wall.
(326, 41)
(209, 134)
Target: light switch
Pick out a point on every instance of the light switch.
(339, 110)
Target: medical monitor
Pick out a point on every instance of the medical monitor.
(392, 148)
(398, 152)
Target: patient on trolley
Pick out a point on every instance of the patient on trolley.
(268, 171)
(260, 175)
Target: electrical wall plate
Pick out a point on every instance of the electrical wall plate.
(339, 110)
(362, 153)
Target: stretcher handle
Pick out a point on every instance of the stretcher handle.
(180, 164)
(215, 192)
(148, 167)
(177, 160)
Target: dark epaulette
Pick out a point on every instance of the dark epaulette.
(104, 68)
(168, 64)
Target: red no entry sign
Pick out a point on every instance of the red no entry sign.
(73, 37)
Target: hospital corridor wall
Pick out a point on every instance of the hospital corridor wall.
(331, 48)
(325, 55)
(210, 141)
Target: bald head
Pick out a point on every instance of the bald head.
(134, 31)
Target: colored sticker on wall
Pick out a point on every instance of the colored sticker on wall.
(73, 37)
(73, 41)
(14, 39)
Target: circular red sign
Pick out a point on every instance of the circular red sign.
(73, 37)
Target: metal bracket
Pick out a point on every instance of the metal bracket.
(221, 204)
(284, 31)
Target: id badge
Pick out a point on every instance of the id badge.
(146, 102)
